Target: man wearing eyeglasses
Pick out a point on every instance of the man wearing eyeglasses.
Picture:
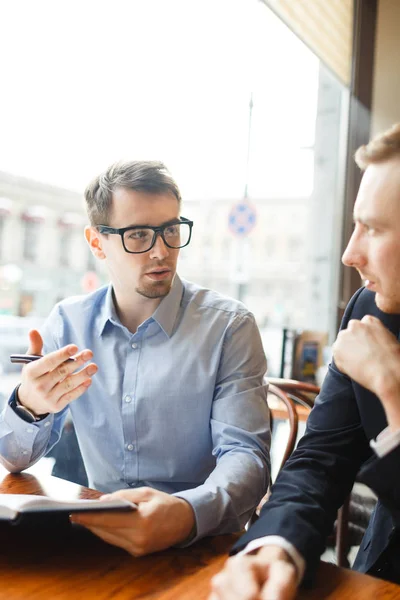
(172, 413)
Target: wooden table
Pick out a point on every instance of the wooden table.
(56, 561)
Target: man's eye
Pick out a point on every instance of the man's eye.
(369, 230)
(138, 234)
(171, 230)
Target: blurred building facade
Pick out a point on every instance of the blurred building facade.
(43, 254)
(267, 269)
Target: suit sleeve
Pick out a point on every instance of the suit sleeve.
(380, 474)
(320, 474)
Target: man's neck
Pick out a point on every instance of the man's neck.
(133, 311)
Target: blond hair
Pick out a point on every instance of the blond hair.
(384, 146)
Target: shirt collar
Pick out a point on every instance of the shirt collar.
(107, 311)
(165, 313)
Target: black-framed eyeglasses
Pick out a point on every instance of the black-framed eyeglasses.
(141, 238)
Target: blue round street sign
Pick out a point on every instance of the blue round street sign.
(242, 218)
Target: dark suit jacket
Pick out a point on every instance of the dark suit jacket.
(320, 474)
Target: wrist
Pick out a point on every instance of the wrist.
(25, 412)
(276, 552)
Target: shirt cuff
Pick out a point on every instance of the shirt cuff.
(386, 441)
(277, 540)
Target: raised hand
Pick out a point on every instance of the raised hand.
(50, 383)
(370, 354)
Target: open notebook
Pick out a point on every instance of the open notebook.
(12, 506)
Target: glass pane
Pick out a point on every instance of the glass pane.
(252, 132)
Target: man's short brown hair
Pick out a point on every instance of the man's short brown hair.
(151, 177)
(384, 146)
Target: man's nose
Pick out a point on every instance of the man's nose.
(354, 255)
(160, 249)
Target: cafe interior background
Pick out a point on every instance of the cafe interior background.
(255, 106)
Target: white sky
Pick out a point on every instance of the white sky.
(87, 82)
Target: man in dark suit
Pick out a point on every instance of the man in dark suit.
(355, 424)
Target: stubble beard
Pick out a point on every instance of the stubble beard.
(159, 289)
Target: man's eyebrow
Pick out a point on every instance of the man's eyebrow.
(369, 221)
(166, 223)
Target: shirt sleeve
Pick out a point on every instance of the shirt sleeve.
(277, 540)
(385, 442)
(22, 444)
(240, 433)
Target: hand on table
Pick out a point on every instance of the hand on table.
(160, 521)
(50, 383)
(267, 575)
(370, 354)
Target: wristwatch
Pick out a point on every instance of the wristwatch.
(26, 414)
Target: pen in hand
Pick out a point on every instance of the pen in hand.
(27, 358)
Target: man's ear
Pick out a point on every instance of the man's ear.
(93, 239)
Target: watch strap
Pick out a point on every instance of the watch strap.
(26, 413)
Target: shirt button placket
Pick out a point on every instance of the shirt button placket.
(128, 410)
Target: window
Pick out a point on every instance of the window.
(65, 239)
(1, 236)
(91, 261)
(31, 240)
(256, 117)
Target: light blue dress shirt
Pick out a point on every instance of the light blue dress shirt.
(180, 405)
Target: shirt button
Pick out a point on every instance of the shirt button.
(129, 447)
(134, 346)
(29, 430)
(25, 452)
(47, 424)
(128, 399)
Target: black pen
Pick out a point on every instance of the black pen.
(27, 358)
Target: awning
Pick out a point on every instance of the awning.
(71, 219)
(326, 26)
(5, 207)
(37, 214)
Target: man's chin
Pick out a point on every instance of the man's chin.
(159, 289)
(387, 305)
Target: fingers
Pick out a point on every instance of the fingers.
(124, 538)
(66, 368)
(141, 494)
(51, 382)
(110, 520)
(371, 320)
(267, 575)
(116, 538)
(51, 361)
(70, 396)
(106, 519)
(281, 583)
(63, 389)
(35, 342)
(241, 579)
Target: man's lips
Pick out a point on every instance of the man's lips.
(159, 274)
(368, 283)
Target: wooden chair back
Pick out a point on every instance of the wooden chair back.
(302, 395)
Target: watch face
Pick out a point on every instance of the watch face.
(25, 414)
